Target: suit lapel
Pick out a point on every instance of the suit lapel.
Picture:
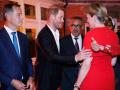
(52, 38)
(20, 44)
(82, 40)
(7, 41)
(22, 47)
(72, 43)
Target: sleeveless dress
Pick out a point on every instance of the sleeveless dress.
(101, 73)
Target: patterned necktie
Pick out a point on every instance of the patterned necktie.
(76, 44)
(15, 43)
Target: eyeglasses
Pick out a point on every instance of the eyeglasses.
(77, 26)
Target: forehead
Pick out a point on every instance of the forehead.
(60, 12)
(76, 21)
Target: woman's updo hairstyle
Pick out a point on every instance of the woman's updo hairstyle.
(99, 10)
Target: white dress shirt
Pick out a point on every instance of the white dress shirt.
(56, 37)
(9, 31)
(79, 40)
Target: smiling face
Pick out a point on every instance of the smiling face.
(76, 27)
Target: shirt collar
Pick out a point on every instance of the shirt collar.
(8, 29)
(74, 36)
(54, 32)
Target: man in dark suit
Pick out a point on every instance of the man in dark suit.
(48, 51)
(68, 48)
(15, 64)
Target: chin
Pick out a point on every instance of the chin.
(92, 27)
(59, 27)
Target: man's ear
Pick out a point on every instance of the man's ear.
(52, 16)
(8, 15)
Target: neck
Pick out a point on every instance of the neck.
(12, 27)
(99, 24)
(75, 35)
(52, 26)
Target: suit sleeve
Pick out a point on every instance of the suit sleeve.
(29, 61)
(46, 46)
(62, 48)
(5, 79)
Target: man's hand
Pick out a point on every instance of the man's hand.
(30, 83)
(83, 54)
(18, 84)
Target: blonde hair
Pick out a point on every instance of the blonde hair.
(99, 10)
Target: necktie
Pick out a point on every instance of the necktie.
(76, 44)
(15, 43)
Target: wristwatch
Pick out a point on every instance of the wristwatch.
(76, 87)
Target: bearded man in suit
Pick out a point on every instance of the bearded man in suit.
(48, 51)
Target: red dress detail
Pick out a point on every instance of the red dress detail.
(101, 73)
(115, 50)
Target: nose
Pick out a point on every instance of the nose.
(62, 19)
(21, 19)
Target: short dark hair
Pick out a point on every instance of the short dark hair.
(9, 7)
(77, 18)
(54, 9)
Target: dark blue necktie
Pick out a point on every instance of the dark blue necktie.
(76, 44)
(15, 43)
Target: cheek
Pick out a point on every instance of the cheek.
(58, 20)
(14, 20)
(90, 21)
(69, 27)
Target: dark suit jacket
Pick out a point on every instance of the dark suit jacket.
(49, 60)
(70, 71)
(12, 66)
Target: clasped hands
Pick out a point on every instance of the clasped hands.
(19, 85)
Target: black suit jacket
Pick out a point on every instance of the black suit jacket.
(70, 71)
(12, 66)
(49, 60)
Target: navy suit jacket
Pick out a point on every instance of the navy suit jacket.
(12, 66)
(70, 71)
(49, 60)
